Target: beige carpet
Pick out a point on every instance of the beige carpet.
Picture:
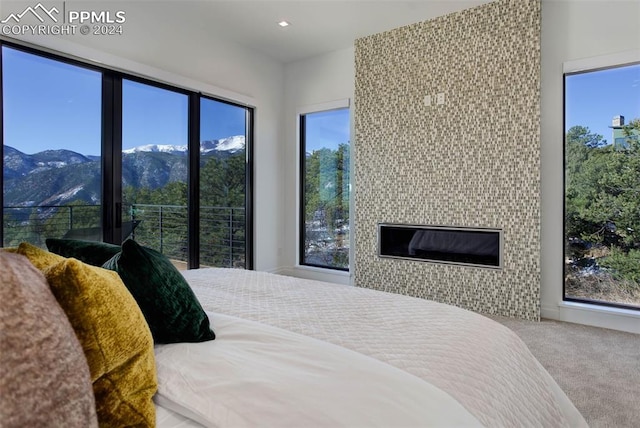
(598, 369)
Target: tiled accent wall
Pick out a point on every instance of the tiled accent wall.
(472, 161)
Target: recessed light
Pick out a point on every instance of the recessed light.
(283, 24)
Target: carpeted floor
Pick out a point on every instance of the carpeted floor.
(598, 369)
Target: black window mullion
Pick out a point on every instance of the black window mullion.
(248, 203)
(106, 159)
(193, 179)
(302, 196)
(111, 158)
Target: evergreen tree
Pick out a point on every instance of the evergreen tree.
(326, 206)
(603, 200)
(222, 213)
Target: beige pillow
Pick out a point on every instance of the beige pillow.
(44, 376)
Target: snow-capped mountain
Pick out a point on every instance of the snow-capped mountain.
(156, 148)
(18, 164)
(57, 177)
(229, 144)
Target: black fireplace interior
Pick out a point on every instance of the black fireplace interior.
(467, 246)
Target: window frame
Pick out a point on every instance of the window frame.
(300, 182)
(194, 188)
(111, 149)
(571, 68)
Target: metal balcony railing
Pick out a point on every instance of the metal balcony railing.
(161, 227)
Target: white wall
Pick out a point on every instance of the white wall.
(218, 69)
(574, 30)
(318, 80)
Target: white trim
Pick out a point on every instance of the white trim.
(90, 56)
(585, 313)
(602, 61)
(326, 106)
(594, 315)
(317, 274)
(302, 110)
(277, 271)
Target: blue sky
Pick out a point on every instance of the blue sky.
(594, 98)
(49, 105)
(327, 129)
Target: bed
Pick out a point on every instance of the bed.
(295, 352)
(80, 347)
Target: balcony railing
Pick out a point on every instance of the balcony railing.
(161, 227)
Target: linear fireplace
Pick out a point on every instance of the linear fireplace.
(480, 247)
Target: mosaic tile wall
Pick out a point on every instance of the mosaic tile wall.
(472, 161)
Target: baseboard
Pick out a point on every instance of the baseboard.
(550, 312)
(594, 315)
(278, 271)
(326, 275)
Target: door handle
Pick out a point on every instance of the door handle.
(118, 215)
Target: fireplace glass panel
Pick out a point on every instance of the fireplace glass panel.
(441, 244)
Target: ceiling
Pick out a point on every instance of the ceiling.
(317, 26)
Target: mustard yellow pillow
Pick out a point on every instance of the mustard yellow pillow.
(115, 338)
(9, 249)
(38, 257)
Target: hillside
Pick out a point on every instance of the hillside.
(58, 177)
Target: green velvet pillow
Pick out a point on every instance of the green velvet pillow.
(166, 300)
(90, 252)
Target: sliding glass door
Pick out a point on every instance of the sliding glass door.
(95, 154)
(223, 184)
(154, 168)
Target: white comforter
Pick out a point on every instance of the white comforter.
(293, 352)
(257, 375)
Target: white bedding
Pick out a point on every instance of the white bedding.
(257, 375)
(435, 365)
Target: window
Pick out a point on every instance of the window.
(223, 183)
(602, 186)
(155, 153)
(95, 154)
(52, 147)
(325, 189)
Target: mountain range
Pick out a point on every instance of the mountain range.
(58, 177)
(230, 144)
